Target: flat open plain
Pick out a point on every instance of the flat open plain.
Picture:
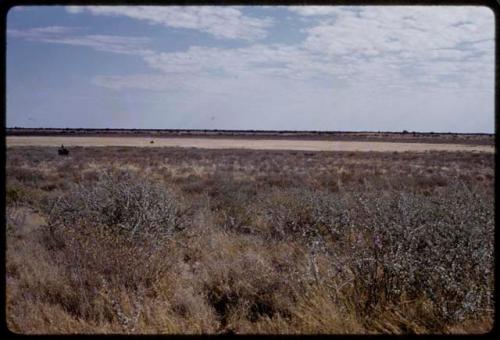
(256, 144)
(187, 240)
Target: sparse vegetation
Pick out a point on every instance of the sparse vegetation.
(165, 240)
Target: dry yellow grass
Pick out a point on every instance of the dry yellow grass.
(256, 144)
(269, 242)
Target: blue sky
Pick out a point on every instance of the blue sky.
(292, 68)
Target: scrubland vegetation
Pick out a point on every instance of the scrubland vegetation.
(129, 240)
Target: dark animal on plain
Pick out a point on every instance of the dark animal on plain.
(151, 142)
(63, 151)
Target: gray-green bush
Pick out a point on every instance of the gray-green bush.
(124, 201)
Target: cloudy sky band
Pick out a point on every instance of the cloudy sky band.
(306, 67)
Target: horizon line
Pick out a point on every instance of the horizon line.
(257, 131)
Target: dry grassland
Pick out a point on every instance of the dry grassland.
(256, 144)
(177, 240)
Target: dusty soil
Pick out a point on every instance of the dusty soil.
(228, 143)
(352, 136)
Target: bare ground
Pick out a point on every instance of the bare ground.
(256, 144)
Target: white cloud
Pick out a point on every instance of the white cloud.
(314, 10)
(221, 22)
(400, 29)
(372, 62)
(74, 9)
(36, 32)
(399, 47)
(99, 42)
(149, 82)
(431, 40)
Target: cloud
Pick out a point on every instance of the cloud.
(150, 82)
(221, 22)
(403, 48)
(211, 67)
(426, 44)
(36, 32)
(414, 30)
(410, 49)
(352, 65)
(70, 36)
(314, 10)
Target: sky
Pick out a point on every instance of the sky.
(361, 68)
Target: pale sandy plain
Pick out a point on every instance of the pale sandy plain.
(228, 143)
